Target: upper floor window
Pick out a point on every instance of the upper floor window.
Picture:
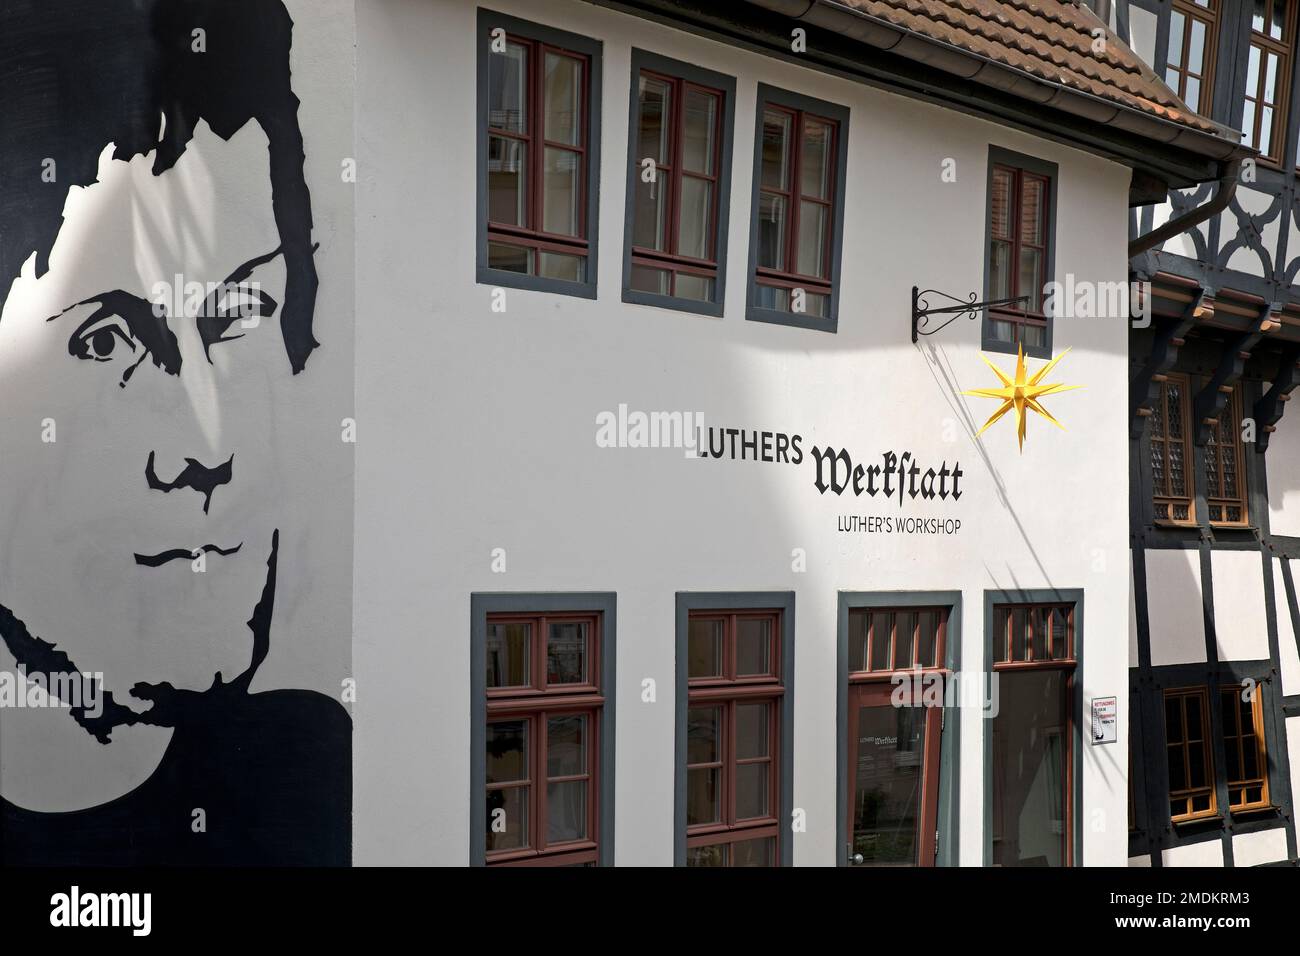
(1021, 233)
(1187, 748)
(1189, 67)
(679, 181)
(1243, 747)
(1268, 76)
(538, 101)
(1171, 453)
(1225, 484)
(801, 149)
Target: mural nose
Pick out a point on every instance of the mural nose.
(195, 474)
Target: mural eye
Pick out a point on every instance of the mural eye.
(236, 309)
(102, 340)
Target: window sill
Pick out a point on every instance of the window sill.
(1211, 821)
(798, 320)
(1252, 813)
(672, 303)
(486, 275)
(1013, 348)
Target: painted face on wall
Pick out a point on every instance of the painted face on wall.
(138, 483)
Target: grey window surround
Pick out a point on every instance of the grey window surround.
(1038, 596)
(489, 20)
(840, 114)
(643, 59)
(481, 605)
(950, 741)
(1006, 157)
(688, 601)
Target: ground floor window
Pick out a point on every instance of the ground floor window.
(1032, 736)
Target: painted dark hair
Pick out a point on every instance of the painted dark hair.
(76, 75)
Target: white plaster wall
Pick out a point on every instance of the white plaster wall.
(494, 424)
(1240, 615)
(1282, 468)
(1206, 853)
(1174, 606)
(1293, 753)
(1288, 657)
(1263, 846)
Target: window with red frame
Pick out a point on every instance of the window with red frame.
(1268, 77)
(1193, 36)
(1225, 484)
(1019, 254)
(537, 159)
(675, 216)
(796, 211)
(733, 729)
(544, 706)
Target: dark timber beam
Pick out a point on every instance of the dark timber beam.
(1144, 391)
(1269, 409)
(1213, 398)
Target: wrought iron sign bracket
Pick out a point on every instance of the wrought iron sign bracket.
(921, 310)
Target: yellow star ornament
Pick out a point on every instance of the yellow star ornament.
(1020, 394)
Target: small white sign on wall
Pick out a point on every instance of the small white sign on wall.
(1105, 722)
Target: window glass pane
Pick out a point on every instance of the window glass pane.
(1032, 200)
(1030, 797)
(1248, 124)
(562, 95)
(566, 652)
(507, 89)
(754, 852)
(566, 745)
(815, 176)
(1193, 96)
(1033, 335)
(904, 639)
(1031, 277)
(1177, 768)
(753, 646)
(1000, 203)
(507, 818)
(881, 638)
(701, 122)
(507, 181)
(560, 191)
(812, 240)
(566, 811)
(771, 231)
(704, 648)
(1171, 78)
(715, 855)
(508, 648)
(1040, 624)
(702, 795)
(645, 279)
(928, 636)
(888, 782)
(650, 225)
(507, 751)
(1001, 615)
(698, 288)
(816, 304)
(1060, 633)
(1257, 16)
(695, 220)
(1265, 130)
(1196, 52)
(1019, 634)
(1252, 72)
(776, 137)
(999, 270)
(1177, 24)
(858, 641)
(1195, 717)
(752, 721)
(510, 258)
(1278, 24)
(655, 97)
(1270, 79)
(752, 789)
(703, 726)
(771, 297)
(555, 265)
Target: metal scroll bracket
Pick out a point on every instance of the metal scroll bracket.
(921, 310)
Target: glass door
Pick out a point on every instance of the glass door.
(893, 761)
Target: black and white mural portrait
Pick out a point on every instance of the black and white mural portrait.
(175, 460)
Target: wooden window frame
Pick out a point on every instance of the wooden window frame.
(1229, 420)
(1009, 665)
(1208, 16)
(1284, 50)
(799, 108)
(1238, 737)
(531, 237)
(726, 691)
(1188, 793)
(1161, 497)
(1021, 167)
(671, 260)
(534, 703)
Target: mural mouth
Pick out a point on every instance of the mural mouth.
(180, 554)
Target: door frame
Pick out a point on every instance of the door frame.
(947, 853)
